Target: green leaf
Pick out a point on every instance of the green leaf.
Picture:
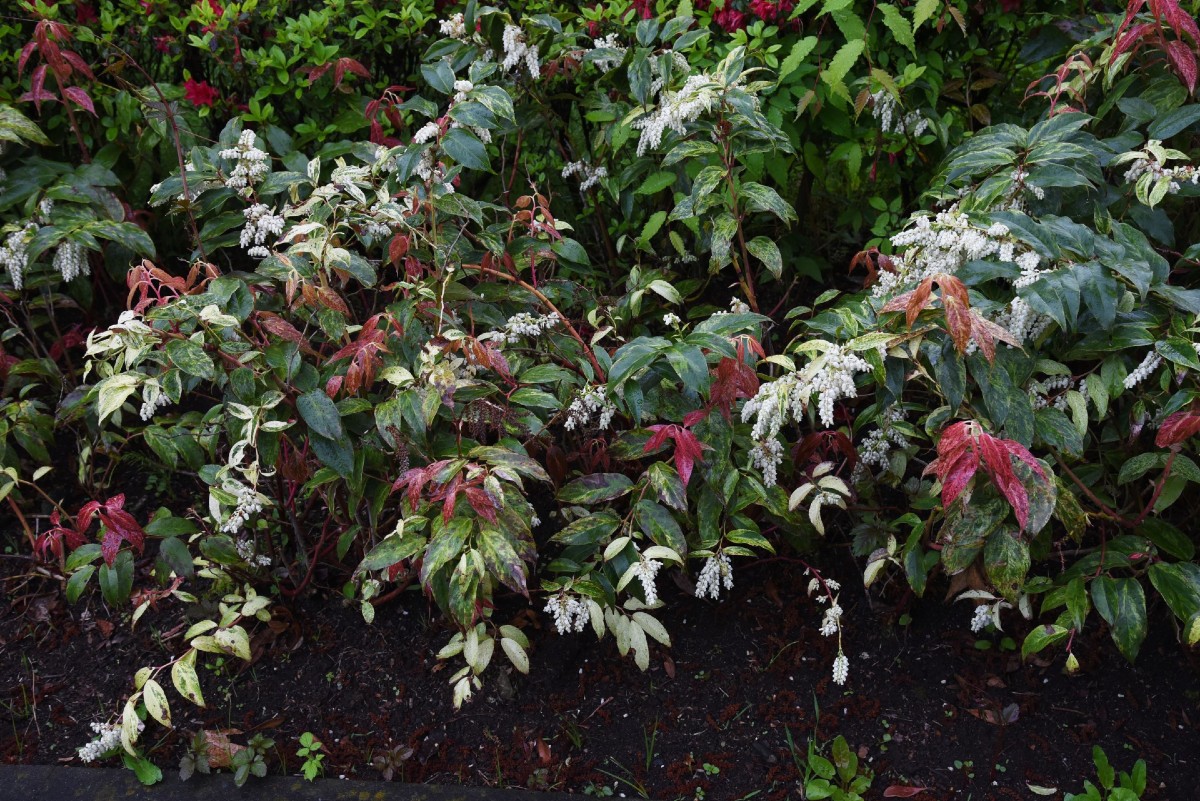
(336, 453)
(1179, 351)
(445, 545)
(966, 530)
(503, 457)
(174, 552)
(502, 561)
(78, 582)
(320, 413)
(190, 357)
(1006, 560)
(1041, 637)
(112, 393)
(595, 488)
(899, 26)
(1122, 604)
(766, 251)
(183, 676)
(795, 58)
(655, 182)
(1179, 586)
(392, 549)
(117, 581)
(465, 148)
(923, 11)
(1167, 538)
(839, 66)
(652, 227)
(764, 198)
(146, 771)
(660, 525)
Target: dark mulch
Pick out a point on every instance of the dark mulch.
(924, 706)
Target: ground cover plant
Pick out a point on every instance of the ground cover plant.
(538, 314)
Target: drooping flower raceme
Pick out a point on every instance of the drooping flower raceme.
(717, 572)
(14, 255)
(524, 324)
(568, 613)
(829, 376)
(646, 570)
(1143, 370)
(590, 175)
(884, 107)
(261, 222)
(608, 62)
(250, 165)
(518, 49)
(108, 737)
(71, 260)
(591, 400)
(675, 109)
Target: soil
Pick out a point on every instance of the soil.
(926, 705)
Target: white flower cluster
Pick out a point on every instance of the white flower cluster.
(1019, 176)
(941, 244)
(569, 614)
(590, 175)
(646, 570)
(260, 223)
(153, 399)
(676, 109)
(884, 108)
(1143, 370)
(14, 256)
(766, 456)
(830, 623)
(1040, 391)
(455, 27)
(876, 449)
(841, 669)
(717, 571)
(45, 209)
(245, 549)
(517, 49)
(671, 319)
(982, 617)
(610, 42)
(248, 504)
(108, 738)
(71, 260)
(461, 88)
(1148, 163)
(524, 324)
(252, 163)
(426, 133)
(591, 400)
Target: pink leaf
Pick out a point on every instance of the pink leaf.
(80, 98)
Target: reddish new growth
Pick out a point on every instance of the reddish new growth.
(965, 447)
(1177, 429)
(687, 447)
(964, 323)
(118, 525)
(1179, 52)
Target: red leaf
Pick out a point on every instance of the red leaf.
(481, 502)
(26, 52)
(999, 468)
(37, 91)
(1180, 54)
(80, 98)
(79, 64)
(964, 447)
(898, 791)
(1177, 429)
(734, 380)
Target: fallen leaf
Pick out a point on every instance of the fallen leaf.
(1037, 789)
(898, 791)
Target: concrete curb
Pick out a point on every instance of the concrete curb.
(50, 783)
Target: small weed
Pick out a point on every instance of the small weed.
(1113, 787)
(311, 752)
